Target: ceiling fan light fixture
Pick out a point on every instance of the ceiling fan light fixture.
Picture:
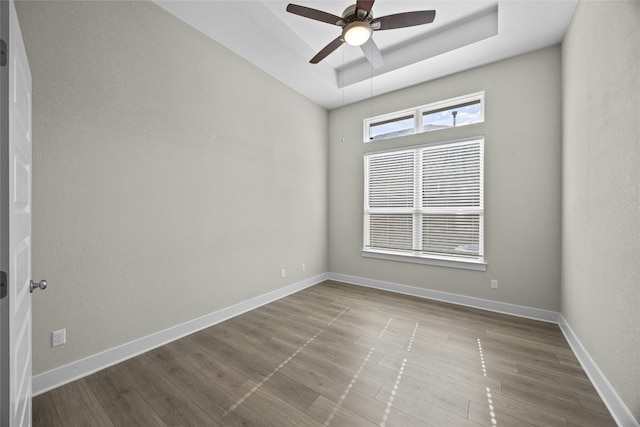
(357, 33)
(357, 23)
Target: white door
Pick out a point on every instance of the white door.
(19, 227)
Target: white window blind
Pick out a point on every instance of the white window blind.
(391, 199)
(426, 201)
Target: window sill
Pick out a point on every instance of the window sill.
(441, 262)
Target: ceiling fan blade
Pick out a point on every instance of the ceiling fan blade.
(327, 50)
(364, 5)
(401, 20)
(315, 14)
(371, 51)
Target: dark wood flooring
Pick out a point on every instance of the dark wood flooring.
(343, 355)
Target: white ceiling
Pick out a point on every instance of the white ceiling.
(464, 34)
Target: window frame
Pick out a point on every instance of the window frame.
(418, 212)
(418, 112)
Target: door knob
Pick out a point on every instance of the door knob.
(42, 284)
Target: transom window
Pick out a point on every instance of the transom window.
(426, 203)
(460, 111)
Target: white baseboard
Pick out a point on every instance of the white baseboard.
(484, 304)
(49, 380)
(618, 409)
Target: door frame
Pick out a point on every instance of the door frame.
(4, 220)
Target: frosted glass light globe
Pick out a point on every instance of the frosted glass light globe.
(356, 33)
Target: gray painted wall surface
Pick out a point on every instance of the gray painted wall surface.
(601, 189)
(522, 133)
(171, 177)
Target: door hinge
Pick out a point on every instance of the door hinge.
(4, 53)
(3, 284)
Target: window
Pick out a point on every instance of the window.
(458, 115)
(392, 127)
(463, 110)
(425, 204)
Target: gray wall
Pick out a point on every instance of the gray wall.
(601, 189)
(171, 177)
(522, 133)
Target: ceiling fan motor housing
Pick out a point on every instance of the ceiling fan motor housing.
(350, 15)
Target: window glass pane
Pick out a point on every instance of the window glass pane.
(452, 116)
(391, 128)
(451, 235)
(391, 232)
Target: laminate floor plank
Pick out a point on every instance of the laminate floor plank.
(122, 403)
(163, 396)
(482, 415)
(342, 355)
(592, 401)
(429, 413)
(521, 385)
(432, 378)
(311, 309)
(377, 412)
(287, 322)
(274, 410)
(249, 363)
(323, 353)
(219, 373)
(309, 366)
(76, 405)
(325, 410)
(285, 388)
(501, 353)
(529, 411)
(555, 401)
(44, 411)
(550, 375)
(211, 399)
(325, 385)
(468, 371)
(528, 343)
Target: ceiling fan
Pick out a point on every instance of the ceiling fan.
(358, 23)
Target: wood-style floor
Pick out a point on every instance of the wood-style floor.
(342, 355)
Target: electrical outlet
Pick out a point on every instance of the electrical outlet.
(494, 284)
(283, 273)
(58, 337)
(303, 268)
